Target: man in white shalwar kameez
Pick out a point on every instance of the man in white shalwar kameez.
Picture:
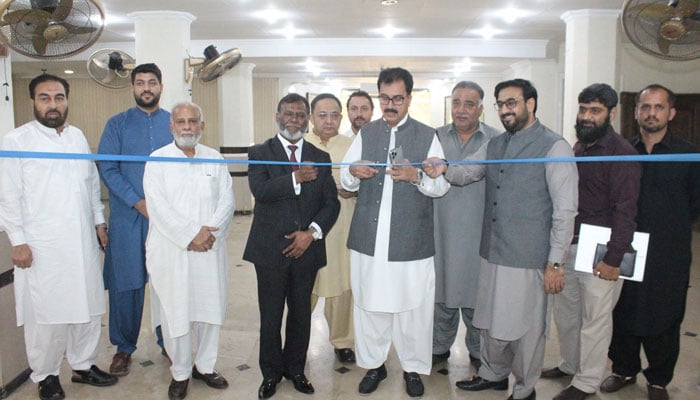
(51, 210)
(391, 237)
(190, 209)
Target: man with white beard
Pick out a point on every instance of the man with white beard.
(190, 208)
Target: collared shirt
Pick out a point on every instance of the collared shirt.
(608, 192)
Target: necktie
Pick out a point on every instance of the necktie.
(293, 156)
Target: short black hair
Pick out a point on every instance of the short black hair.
(360, 93)
(324, 96)
(292, 98)
(145, 69)
(390, 75)
(600, 92)
(656, 86)
(529, 91)
(469, 85)
(47, 78)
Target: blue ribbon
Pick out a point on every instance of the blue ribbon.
(685, 157)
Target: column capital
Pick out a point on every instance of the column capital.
(138, 16)
(587, 13)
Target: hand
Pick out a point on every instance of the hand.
(102, 236)
(22, 256)
(204, 240)
(305, 173)
(346, 194)
(140, 206)
(360, 171)
(553, 279)
(434, 167)
(403, 171)
(301, 240)
(606, 271)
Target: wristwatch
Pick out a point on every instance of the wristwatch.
(556, 266)
(314, 233)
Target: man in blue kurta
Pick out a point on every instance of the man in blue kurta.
(137, 131)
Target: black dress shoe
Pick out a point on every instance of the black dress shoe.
(268, 388)
(178, 389)
(345, 356)
(477, 383)
(94, 376)
(214, 379)
(553, 373)
(657, 392)
(531, 396)
(370, 382)
(50, 389)
(414, 385)
(301, 384)
(442, 357)
(615, 382)
(572, 393)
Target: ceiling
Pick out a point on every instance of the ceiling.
(342, 37)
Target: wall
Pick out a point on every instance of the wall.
(639, 69)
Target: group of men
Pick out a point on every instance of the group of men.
(399, 241)
(168, 221)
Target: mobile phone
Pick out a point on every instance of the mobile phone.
(396, 154)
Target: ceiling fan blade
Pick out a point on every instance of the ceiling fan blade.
(101, 64)
(664, 45)
(32, 16)
(653, 11)
(39, 43)
(62, 11)
(692, 25)
(77, 30)
(686, 8)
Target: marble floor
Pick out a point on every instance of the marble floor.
(150, 377)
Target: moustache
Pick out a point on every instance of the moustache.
(650, 119)
(146, 92)
(358, 119)
(507, 115)
(390, 110)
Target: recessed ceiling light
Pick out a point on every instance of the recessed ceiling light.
(388, 31)
(271, 15)
(289, 31)
(68, 72)
(389, 2)
(511, 14)
(487, 32)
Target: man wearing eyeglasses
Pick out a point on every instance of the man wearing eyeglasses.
(527, 229)
(391, 237)
(295, 207)
(333, 281)
(360, 109)
(458, 217)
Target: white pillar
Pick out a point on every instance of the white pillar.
(590, 57)
(163, 37)
(7, 111)
(236, 106)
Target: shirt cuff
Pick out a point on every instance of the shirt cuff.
(297, 186)
(557, 255)
(17, 238)
(318, 229)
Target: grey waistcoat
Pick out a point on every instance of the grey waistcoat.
(411, 226)
(518, 211)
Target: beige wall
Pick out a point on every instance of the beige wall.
(265, 98)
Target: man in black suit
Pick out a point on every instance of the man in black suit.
(295, 206)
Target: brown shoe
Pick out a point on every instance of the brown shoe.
(553, 373)
(178, 389)
(120, 364)
(657, 392)
(214, 380)
(615, 382)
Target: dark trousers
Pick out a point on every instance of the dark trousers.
(661, 352)
(277, 285)
(125, 312)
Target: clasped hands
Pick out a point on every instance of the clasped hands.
(400, 170)
(204, 241)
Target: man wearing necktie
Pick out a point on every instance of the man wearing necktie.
(295, 207)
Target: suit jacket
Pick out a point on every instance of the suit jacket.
(279, 211)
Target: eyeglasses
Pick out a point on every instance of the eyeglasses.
(334, 115)
(510, 104)
(292, 114)
(397, 100)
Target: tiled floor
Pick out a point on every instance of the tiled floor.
(150, 377)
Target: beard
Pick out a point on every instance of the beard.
(147, 104)
(519, 122)
(652, 128)
(187, 140)
(358, 122)
(589, 134)
(51, 122)
(292, 137)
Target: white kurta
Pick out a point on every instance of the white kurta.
(182, 197)
(53, 206)
(379, 285)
